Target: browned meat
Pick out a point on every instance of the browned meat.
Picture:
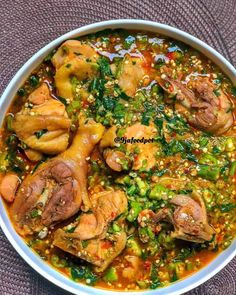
(99, 252)
(101, 247)
(8, 186)
(206, 107)
(106, 206)
(114, 159)
(58, 188)
(189, 219)
(146, 152)
(131, 74)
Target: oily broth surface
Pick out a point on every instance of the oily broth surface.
(171, 259)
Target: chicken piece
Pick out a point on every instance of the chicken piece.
(57, 189)
(99, 252)
(73, 59)
(40, 95)
(77, 67)
(33, 155)
(132, 72)
(206, 107)
(108, 139)
(106, 207)
(145, 151)
(71, 49)
(115, 159)
(46, 124)
(92, 227)
(189, 219)
(8, 186)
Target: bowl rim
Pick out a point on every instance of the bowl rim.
(18, 243)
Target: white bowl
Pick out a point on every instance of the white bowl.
(26, 253)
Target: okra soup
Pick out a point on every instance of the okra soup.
(117, 162)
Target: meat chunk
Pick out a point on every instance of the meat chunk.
(8, 186)
(99, 252)
(70, 49)
(144, 151)
(73, 59)
(131, 74)
(114, 159)
(58, 188)
(206, 107)
(46, 124)
(106, 207)
(101, 247)
(189, 219)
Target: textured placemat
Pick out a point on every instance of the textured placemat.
(26, 26)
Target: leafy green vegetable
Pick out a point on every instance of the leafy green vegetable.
(104, 67)
(183, 254)
(233, 90)
(129, 41)
(83, 272)
(75, 105)
(35, 213)
(155, 282)
(21, 92)
(227, 207)
(62, 100)
(40, 133)
(34, 80)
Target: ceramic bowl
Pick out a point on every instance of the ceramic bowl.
(18, 243)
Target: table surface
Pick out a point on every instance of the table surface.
(26, 26)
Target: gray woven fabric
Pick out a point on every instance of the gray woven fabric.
(27, 26)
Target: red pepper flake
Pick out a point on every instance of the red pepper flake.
(85, 103)
(147, 264)
(170, 55)
(106, 245)
(113, 214)
(197, 152)
(171, 88)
